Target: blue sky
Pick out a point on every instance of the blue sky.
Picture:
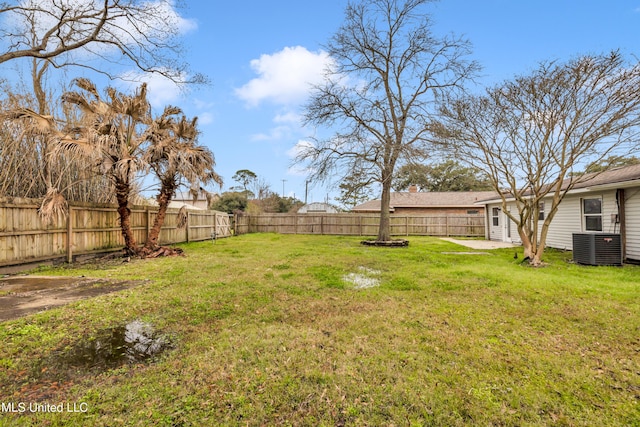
(259, 53)
(260, 57)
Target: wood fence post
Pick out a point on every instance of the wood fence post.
(215, 225)
(322, 225)
(149, 223)
(187, 226)
(69, 236)
(406, 225)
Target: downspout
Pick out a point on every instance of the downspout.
(487, 225)
(622, 221)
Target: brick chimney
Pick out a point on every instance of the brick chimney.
(413, 188)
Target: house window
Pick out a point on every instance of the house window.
(495, 212)
(592, 214)
(541, 211)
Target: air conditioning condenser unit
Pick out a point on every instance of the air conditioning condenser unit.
(597, 248)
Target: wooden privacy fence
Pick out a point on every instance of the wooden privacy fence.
(362, 224)
(91, 229)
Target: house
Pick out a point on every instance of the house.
(186, 198)
(608, 202)
(317, 207)
(434, 203)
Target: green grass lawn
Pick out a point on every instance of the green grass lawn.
(277, 330)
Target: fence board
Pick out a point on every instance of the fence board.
(362, 224)
(93, 228)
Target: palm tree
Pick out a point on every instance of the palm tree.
(175, 158)
(113, 133)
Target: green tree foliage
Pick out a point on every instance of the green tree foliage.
(355, 189)
(245, 177)
(231, 202)
(611, 162)
(446, 176)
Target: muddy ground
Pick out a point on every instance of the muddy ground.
(25, 294)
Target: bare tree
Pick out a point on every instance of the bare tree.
(389, 71)
(531, 134)
(79, 33)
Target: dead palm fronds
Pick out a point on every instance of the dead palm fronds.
(53, 206)
(182, 217)
(113, 137)
(174, 156)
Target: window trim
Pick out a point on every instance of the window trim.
(541, 211)
(588, 215)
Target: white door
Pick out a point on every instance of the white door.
(506, 232)
(496, 224)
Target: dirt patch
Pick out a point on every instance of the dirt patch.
(22, 295)
(399, 243)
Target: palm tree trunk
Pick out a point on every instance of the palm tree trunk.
(122, 196)
(164, 198)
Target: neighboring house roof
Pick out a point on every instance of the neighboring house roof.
(185, 195)
(317, 207)
(176, 204)
(441, 199)
(626, 176)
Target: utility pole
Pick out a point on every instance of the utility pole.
(283, 181)
(306, 190)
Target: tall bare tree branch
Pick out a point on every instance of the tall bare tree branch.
(389, 73)
(65, 32)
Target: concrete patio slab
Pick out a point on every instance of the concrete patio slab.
(481, 244)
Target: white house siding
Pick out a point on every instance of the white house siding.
(632, 216)
(568, 219)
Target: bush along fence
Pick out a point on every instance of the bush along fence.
(92, 228)
(362, 224)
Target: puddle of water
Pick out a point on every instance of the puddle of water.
(367, 278)
(134, 342)
(35, 283)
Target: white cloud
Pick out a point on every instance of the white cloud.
(274, 134)
(287, 123)
(301, 146)
(299, 169)
(288, 117)
(284, 77)
(205, 118)
(161, 91)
